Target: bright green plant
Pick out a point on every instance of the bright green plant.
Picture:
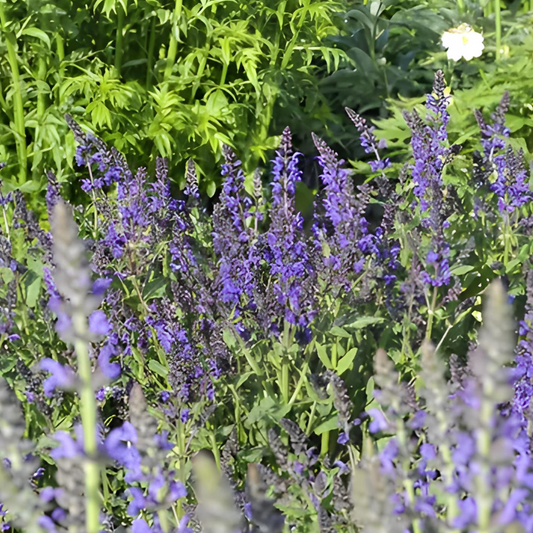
(175, 79)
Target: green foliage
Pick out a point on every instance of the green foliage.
(175, 79)
(395, 47)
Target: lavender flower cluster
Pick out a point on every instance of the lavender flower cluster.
(158, 319)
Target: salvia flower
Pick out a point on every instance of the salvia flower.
(285, 250)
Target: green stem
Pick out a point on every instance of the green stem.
(199, 74)
(60, 50)
(3, 104)
(431, 313)
(284, 385)
(334, 358)
(105, 485)
(461, 6)
(484, 496)
(41, 109)
(324, 448)
(251, 361)
(303, 376)
(224, 74)
(506, 240)
(18, 105)
(408, 483)
(119, 40)
(173, 45)
(285, 362)
(279, 31)
(151, 48)
(214, 447)
(311, 419)
(498, 23)
(88, 419)
(181, 463)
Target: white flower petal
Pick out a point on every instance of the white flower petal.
(462, 42)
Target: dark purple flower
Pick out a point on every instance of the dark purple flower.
(343, 438)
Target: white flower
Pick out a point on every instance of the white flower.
(462, 41)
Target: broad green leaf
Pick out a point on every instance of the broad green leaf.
(365, 321)
(323, 356)
(158, 368)
(460, 270)
(38, 34)
(329, 425)
(340, 332)
(346, 361)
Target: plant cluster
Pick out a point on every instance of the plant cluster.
(174, 79)
(166, 367)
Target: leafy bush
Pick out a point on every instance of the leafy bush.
(153, 329)
(157, 78)
(395, 47)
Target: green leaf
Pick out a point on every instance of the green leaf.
(158, 368)
(211, 189)
(33, 289)
(460, 270)
(339, 332)
(346, 361)
(365, 321)
(155, 288)
(7, 363)
(38, 34)
(323, 356)
(243, 378)
(229, 338)
(329, 425)
(30, 186)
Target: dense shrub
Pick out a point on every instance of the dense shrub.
(174, 79)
